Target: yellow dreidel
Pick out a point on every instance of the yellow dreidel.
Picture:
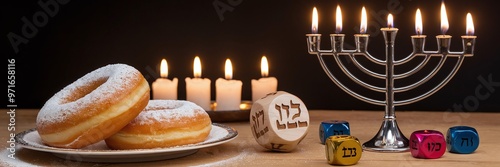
(343, 150)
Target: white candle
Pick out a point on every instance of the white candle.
(228, 91)
(197, 88)
(265, 85)
(164, 88)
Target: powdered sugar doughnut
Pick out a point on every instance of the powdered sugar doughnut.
(94, 107)
(164, 123)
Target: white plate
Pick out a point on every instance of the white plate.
(99, 152)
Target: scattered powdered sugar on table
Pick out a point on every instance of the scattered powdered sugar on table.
(6, 161)
(117, 78)
(164, 110)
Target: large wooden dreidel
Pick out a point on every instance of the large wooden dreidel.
(343, 150)
(279, 121)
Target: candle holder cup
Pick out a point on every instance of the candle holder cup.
(390, 138)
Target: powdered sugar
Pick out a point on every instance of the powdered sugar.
(5, 161)
(108, 80)
(163, 110)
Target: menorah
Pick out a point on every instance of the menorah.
(389, 138)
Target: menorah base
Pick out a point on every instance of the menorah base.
(388, 139)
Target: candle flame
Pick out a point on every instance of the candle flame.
(229, 69)
(470, 25)
(314, 27)
(390, 21)
(197, 67)
(338, 20)
(418, 23)
(264, 67)
(163, 68)
(444, 19)
(362, 28)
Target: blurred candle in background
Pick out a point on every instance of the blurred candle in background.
(228, 91)
(197, 88)
(164, 88)
(264, 85)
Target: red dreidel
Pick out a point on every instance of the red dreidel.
(427, 144)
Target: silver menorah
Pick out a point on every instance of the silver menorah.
(390, 138)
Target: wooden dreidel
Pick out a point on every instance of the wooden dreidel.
(333, 127)
(462, 139)
(279, 121)
(343, 150)
(427, 144)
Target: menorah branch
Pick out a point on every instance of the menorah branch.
(436, 88)
(345, 88)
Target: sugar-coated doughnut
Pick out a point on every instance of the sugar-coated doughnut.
(93, 107)
(164, 123)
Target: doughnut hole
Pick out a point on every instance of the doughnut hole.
(82, 91)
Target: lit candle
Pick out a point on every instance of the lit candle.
(338, 38)
(362, 38)
(164, 88)
(390, 21)
(418, 40)
(314, 26)
(197, 88)
(338, 20)
(390, 24)
(444, 19)
(364, 20)
(469, 40)
(264, 85)
(314, 38)
(418, 23)
(443, 40)
(228, 91)
(470, 25)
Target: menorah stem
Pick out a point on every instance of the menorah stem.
(389, 73)
(389, 138)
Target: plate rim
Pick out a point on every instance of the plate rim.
(232, 134)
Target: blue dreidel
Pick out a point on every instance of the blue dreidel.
(462, 139)
(333, 127)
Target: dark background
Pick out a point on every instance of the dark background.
(84, 35)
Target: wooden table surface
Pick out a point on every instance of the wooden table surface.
(244, 150)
